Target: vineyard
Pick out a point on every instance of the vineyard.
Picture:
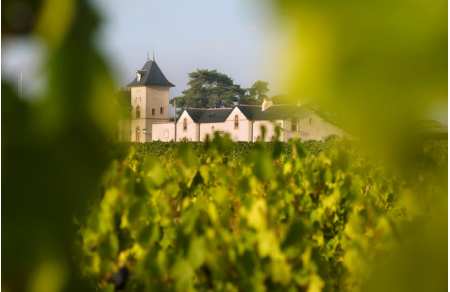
(241, 217)
(81, 212)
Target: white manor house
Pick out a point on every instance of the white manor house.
(150, 119)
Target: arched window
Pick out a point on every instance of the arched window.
(236, 121)
(184, 124)
(138, 112)
(138, 134)
(161, 110)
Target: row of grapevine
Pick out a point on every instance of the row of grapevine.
(224, 216)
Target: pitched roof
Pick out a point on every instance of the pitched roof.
(150, 75)
(210, 115)
(251, 112)
(275, 112)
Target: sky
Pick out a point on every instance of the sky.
(235, 37)
(232, 36)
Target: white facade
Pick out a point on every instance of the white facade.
(242, 129)
(150, 121)
(269, 127)
(164, 132)
(187, 129)
(316, 128)
(236, 125)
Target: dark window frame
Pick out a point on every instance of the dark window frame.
(138, 112)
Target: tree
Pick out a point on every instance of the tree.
(282, 99)
(209, 88)
(256, 93)
(259, 90)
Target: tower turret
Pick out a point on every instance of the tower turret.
(150, 92)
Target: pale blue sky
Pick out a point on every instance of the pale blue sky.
(232, 36)
(236, 37)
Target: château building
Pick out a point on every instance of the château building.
(150, 119)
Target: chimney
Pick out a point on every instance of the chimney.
(266, 104)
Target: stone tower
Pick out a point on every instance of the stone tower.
(149, 101)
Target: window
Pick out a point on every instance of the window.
(310, 121)
(153, 111)
(161, 110)
(184, 124)
(138, 112)
(236, 121)
(138, 135)
(294, 125)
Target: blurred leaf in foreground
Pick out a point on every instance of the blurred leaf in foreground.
(55, 148)
(381, 68)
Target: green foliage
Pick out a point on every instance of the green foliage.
(259, 89)
(209, 88)
(256, 93)
(55, 146)
(241, 217)
(218, 216)
(365, 62)
(232, 150)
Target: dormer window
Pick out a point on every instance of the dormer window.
(138, 76)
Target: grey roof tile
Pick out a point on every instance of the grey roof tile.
(251, 112)
(151, 75)
(210, 115)
(275, 112)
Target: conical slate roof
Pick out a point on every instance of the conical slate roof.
(150, 75)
